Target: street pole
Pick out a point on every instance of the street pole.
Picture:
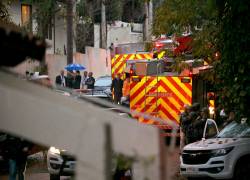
(162, 154)
(69, 31)
(103, 27)
(145, 27)
(150, 19)
(54, 31)
(108, 151)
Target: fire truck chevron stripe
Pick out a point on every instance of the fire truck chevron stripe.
(171, 99)
(165, 114)
(119, 68)
(167, 107)
(171, 105)
(117, 58)
(139, 96)
(188, 85)
(174, 95)
(164, 97)
(140, 86)
(183, 87)
(180, 89)
(128, 57)
(176, 90)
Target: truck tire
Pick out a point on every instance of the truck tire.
(54, 177)
(242, 169)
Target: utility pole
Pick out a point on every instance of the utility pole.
(145, 25)
(70, 31)
(150, 19)
(103, 26)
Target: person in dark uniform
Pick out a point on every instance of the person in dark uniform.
(17, 150)
(193, 117)
(90, 82)
(184, 123)
(116, 86)
(61, 79)
(77, 80)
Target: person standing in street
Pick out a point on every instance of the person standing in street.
(84, 79)
(199, 124)
(17, 152)
(61, 79)
(90, 82)
(184, 123)
(193, 117)
(77, 80)
(70, 79)
(126, 90)
(116, 86)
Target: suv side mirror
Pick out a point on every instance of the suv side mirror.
(210, 129)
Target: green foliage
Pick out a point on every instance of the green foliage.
(224, 31)
(233, 70)
(114, 10)
(199, 17)
(4, 14)
(123, 162)
(44, 11)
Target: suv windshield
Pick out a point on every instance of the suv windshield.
(235, 130)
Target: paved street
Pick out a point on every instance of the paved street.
(35, 176)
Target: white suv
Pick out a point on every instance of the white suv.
(224, 157)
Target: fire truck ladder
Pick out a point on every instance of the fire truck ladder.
(151, 91)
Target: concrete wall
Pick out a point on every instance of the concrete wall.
(120, 33)
(95, 60)
(60, 37)
(27, 65)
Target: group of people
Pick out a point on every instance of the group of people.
(74, 80)
(120, 89)
(192, 122)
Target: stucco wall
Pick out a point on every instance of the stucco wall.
(119, 33)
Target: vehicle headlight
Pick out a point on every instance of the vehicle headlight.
(54, 150)
(222, 152)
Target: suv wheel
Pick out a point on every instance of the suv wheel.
(54, 177)
(242, 170)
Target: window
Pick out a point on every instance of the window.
(211, 130)
(26, 15)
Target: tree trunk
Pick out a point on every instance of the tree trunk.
(103, 27)
(150, 19)
(69, 31)
(145, 26)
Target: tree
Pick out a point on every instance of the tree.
(84, 24)
(233, 70)
(4, 14)
(69, 15)
(220, 32)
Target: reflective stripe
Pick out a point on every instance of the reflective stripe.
(163, 99)
(118, 62)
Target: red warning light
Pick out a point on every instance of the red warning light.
(158, 45)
